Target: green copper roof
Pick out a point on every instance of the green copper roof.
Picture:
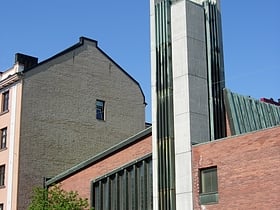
(246, 114)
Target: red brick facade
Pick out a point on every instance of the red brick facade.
(81, 181)
(247, 167)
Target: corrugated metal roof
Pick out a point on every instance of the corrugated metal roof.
(247, 114)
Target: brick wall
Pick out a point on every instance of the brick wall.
(228, 131)
(247, 167)
(81, 181)
(59, 128)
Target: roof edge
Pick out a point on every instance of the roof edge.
(81, 42)
(125, 72)
(237, 135)
(149, 155)
(84, 164)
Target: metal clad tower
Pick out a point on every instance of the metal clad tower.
(215, 62)
(187, 83)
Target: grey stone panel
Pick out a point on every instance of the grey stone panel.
(195, 21)
(198, 98)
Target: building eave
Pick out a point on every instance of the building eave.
(255, 132)
(75, 46)
(87, 163)
(10, 80)
(81, 42)
(127, 74)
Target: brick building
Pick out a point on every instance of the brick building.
(117, 160)
(211, 148)
(235, 172)
(245, 166)
(247, 171)
(189, 102)
(11, 88)
(61, 111)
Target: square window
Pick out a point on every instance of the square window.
(2, 175)
(3, 143)
(100, 109)
(5, 101)
(208, 185)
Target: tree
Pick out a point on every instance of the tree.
(56, 198)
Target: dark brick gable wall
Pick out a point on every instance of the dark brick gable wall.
(59, 128)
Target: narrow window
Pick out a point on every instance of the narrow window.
(2, 175)
(1, 206)
(5, 101)
(3, 143)
(100, 110)
(208, 185)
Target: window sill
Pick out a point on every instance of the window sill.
(209, 198)
(2, 113)
(2, 186)
(100, 120)
(3, 149)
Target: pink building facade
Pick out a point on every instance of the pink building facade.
(10, 100)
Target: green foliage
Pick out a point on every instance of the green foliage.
(56, 198)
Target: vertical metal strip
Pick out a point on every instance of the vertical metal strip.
(215, 70)
(92, 195)
(164, 91)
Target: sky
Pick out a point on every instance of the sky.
(251, 33)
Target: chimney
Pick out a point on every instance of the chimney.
(271, 101)
(26, 60)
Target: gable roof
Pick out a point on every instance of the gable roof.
(86, 41)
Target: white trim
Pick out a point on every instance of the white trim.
(11, 148)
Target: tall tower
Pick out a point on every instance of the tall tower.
(187, 83)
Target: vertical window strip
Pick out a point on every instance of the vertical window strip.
(2, 175)
(5, 101)
(3, 143)
(100, 109)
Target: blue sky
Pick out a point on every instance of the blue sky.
(251, 33)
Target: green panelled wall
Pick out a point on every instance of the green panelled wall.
(127, 188)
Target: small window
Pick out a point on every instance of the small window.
(3, 143)
(208, 185)
(5, 101)
(2, 175)
(100, 110)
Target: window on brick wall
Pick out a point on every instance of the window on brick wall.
(208, 185)
(3, 133)
(5, 101)
(2, 175)
(100, 109)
